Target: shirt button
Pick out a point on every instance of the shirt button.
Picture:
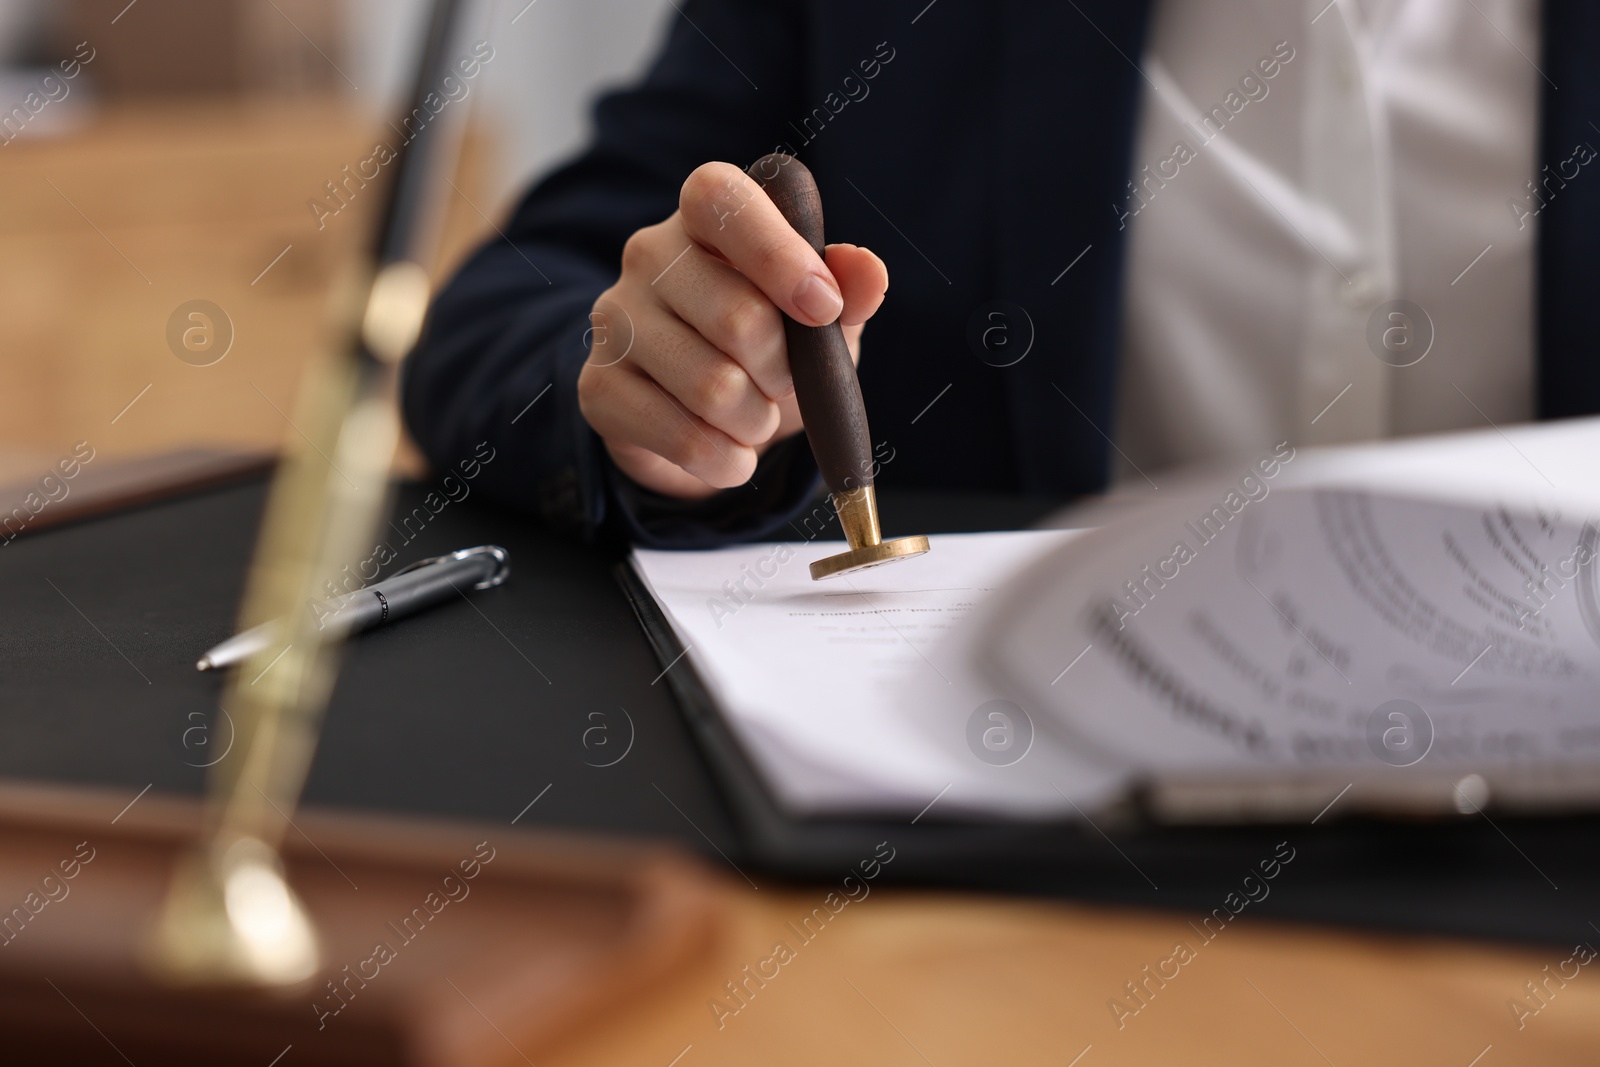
(1345, 75)
(1359, 291)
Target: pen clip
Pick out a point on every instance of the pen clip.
(501, 572)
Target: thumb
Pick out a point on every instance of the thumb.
(863, 280)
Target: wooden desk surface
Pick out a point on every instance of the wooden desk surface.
(921, 978)
(899, 977)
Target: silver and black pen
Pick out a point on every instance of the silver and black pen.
(407, 591)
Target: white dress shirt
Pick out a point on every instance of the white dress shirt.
(1380, 161)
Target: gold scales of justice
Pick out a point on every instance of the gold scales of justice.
(230, 916)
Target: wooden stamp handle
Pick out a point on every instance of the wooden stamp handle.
(825, 384)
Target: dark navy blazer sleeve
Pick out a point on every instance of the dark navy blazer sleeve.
(506, 338)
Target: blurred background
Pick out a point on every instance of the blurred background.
(165, 152)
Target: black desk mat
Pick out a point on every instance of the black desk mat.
(541, 702)
(468, 711)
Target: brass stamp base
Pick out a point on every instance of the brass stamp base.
(868, 556)
(858, 516)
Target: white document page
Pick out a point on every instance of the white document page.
(1434, 603)
(856, 695)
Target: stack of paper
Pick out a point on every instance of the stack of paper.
(855, 695)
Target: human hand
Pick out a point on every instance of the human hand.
(704, 386)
